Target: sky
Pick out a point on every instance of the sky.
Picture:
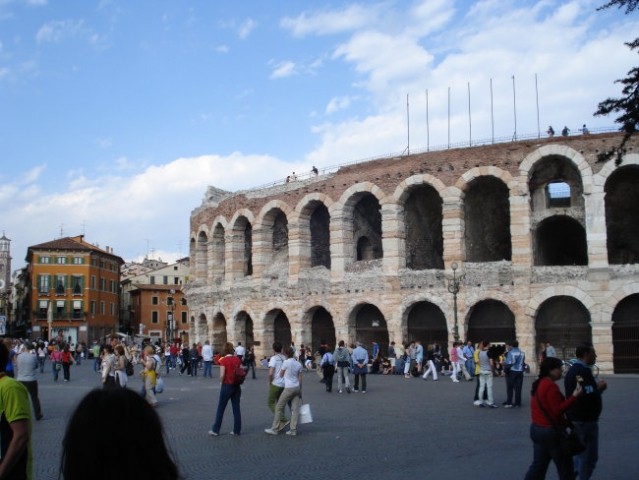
(116, 115)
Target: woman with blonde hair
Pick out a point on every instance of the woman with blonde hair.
(149, 376)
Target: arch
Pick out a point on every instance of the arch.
(244, 328)
(487, 220)
(313, 220)
(277, 328)
(560, 240)
(490, 320)
(564, 322)
(267, 210)
(369, 326)
(201, 255)
(365, 222)
(486, 171)
(220, 336)
(622, 215)
(352, 195)
(625, 335)
(242, 246)
(427, 323)
(273, 222)
(202, 330)
(404, 189)
(218, 253)
(611, 166)
(563, 290)
(322, 328)
(558, 150)
(423, 224)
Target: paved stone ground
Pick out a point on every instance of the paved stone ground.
(424, 429)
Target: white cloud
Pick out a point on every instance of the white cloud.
(336, 104)
(57, 30)
(36, 3)
(3, 72)
(222, 49)
(246, 27)
(330, 22)
(284, 69)
(104, 142)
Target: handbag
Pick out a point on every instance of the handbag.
(569, 442)
(159, 385)
(58, 366)
(305, 414)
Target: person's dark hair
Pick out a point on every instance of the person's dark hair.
(4, 356)
(341, 343)
(583, 350)
(515, 344)
(109, 348)
(548, 364)
(112, 412)
(288, 351)
(229, 349)
(277, 347)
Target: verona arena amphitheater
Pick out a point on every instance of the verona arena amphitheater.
(545, 236)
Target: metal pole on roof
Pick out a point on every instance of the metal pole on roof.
(427, 125)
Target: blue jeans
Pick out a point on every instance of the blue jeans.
(41, 361)
(514, 382)
(546, 448)
(56, 372)
(586, 461)
(96, 363)
(208, 369)
(470, 366)
(232, 393)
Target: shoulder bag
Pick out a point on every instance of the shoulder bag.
(569, 442)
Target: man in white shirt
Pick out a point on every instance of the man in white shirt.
(275, 381)
(291, 372)
(207, 358)
(240, 351)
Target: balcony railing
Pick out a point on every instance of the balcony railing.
(67, 317)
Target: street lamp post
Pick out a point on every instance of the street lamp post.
(169, 326)
(454, 285)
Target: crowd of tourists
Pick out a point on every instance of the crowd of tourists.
(553, 415)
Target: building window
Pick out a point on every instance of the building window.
(77, 284)
(44, 284)
(169, 301)
(60, 284)
(113, 286)
(111, 309)
(558, 194)
(185, 319)
(154, 317)
(44, 309)
(176, 280)
(77, 309)
(45, 259)
(59, 309)
(183, 301)
(93, 305)
(152, 279)
(61, 260)
(92, 282)
(78, 260)
(155, 301)
(102, 308)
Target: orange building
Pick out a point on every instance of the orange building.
(73, 290)
(160, 312)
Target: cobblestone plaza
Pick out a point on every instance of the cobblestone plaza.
(399, 428)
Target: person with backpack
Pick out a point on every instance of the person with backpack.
(328, 367)
(343, 361)
(230, 390)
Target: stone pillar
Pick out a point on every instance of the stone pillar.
(596, 235)
(452, 221)
(520, 232)
(299, 251)
(393, 239)
(341, 246)
(262, 249)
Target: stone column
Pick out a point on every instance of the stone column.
(393, 239)
(452, 225)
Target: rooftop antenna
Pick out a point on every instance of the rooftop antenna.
(147, 247)
(407, 126)
(179, 245)
(84, 227)
(62, 230)
(514, 110)
(427, 125)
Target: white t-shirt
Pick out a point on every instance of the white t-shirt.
(207, 353)
(292, 370)
(275, 363)
(240, 351)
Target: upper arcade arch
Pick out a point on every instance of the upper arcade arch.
(561, 151)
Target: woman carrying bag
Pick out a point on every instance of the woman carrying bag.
(547, 408)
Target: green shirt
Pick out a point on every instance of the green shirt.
(15, 405)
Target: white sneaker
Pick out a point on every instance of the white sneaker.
(213, 434)
(270, 431)
(477, 403)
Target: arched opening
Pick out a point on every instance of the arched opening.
(423, 226)
(549, 180)
(560, 240)
(490, 320)
(282, 329)
(202, 332)
(487, 220)
(280, 237)
(201, 256)
(564, 322)
(243, 237)
(320, 236)
(427, 323)
(625, 335)
(622, 215)
(367, 222)
(370, 326)
(322, 329)
(244, 329)
(219, 333)
(219, 254)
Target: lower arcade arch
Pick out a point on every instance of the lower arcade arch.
(427, 323)
(370, 326)
(244, 329)
(219, 337)
(322, 329)
(490, 320)
(564, 322)
(625, 335)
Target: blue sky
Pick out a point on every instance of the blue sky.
(115, 115)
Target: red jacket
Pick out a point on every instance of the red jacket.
(553, 402)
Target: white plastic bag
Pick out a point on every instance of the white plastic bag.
(305, 414)
(159, 385)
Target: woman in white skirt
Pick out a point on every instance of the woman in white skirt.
(121, 377)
